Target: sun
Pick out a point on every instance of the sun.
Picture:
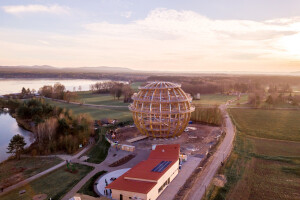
(291, 44)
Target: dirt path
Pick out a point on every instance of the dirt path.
(21, 183)
(223, 151)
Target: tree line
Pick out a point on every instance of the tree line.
(55, 129)
(207, 115)
(57, 91)
(116, 89)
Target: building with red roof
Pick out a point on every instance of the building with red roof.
(149, 178)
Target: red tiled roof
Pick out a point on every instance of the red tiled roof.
(143, 170)
(167, 152)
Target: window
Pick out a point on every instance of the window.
(163, 186)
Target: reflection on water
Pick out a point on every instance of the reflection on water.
(8, 128)
(8, 86)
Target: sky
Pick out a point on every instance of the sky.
(153, 35)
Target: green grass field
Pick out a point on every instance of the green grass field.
(135, 85)
(27, 167)
(88, 97)
(55, 184)
(122, 114)
(213, 99)
(88, 187)
(260, 168)
(273, 124)
(99, 151)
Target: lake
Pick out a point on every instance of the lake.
(8, 128)
(8, 86)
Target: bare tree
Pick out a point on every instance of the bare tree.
(51, 126)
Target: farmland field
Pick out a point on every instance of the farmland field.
(214, 99)
(272, 124)
(260, 168)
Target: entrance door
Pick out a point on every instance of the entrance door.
(121, 197)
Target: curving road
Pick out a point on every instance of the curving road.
(223, 151)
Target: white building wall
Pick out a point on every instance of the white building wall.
(127, 194)
(171, 173)
(153, 193)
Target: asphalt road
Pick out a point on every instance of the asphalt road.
(223, 151)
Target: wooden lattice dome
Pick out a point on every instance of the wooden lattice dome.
(161, 109)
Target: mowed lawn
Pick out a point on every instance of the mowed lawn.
(214, 99)
(122, 114)
(88, 97)
(135, 85)
(55, 184)
(260, 168)
(273, 124)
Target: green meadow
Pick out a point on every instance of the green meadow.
(97, 113)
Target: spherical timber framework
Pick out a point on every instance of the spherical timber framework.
(161, 109)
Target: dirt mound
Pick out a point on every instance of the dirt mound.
(220, 180)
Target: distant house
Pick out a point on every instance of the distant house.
(104, 122)
(197, 96)
(148, 179)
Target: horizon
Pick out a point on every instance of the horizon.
(170, 36)
(128, 70)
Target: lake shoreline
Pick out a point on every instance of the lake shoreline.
(12, 126)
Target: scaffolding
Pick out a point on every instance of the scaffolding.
(161, 109)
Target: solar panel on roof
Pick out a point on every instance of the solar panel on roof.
(161, 166)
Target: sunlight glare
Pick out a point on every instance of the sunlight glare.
(291, 44)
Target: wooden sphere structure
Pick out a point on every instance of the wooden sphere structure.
(161, 109)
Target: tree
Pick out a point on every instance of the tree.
(270, 100)
(68, 96)
(16, 145)
(23, 91)
(58, 90)
(254, 99)
(116, 90)
(127, 92)
(46, 91)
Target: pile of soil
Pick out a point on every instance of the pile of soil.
(220, 180)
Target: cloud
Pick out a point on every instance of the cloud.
(126, 14)
(35, 8)
(166, 40)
